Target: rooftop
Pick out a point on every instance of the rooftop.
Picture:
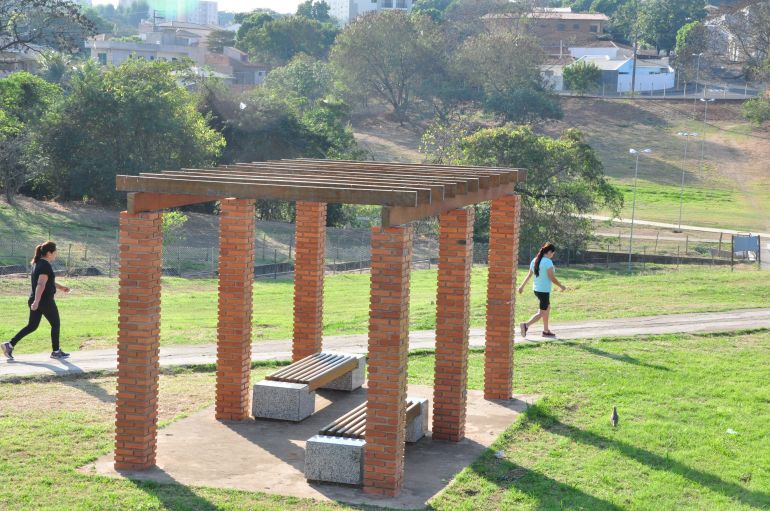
(555, 15)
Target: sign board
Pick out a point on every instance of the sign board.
(745, 243)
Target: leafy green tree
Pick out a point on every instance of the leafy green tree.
(314, 10)
(253, 21)
(565, 179)
(505, 68)
(582, 77)
(123, 120)
(56, 23)
(219, 39)
(691, 40)
(303, 81)
(757, 110)
(387, 54)
(276, 42)
(24, 100)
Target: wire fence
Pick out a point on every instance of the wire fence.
(349, 250)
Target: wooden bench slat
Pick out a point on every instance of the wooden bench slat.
(320, 367)
(330, 376)
(353, 423)
(312, 361)
(293, 374)
(299, 364)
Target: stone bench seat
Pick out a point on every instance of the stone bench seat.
(289, 393)
(336, 453)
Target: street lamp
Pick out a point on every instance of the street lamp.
(633, 207)
(703, 138)
(684, 166)
(697, 73)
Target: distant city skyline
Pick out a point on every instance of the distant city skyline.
(285, 6)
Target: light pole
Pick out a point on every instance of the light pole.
(703, 138)
(633, 207)
(684, 166)
(697, 72)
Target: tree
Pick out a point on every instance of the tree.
(24, 100)
(757, 110)
(565, 179)
(387, 54)
(29, 23)
(505, 68)
(303, 81)
(314, 10)
(122, 120)
(218, 40)
(749, 28)
(252, 22)
(691, 40)
(582, 77)
(276, 42)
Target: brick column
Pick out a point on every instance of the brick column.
(141, 246)
(236, 276)
(309, 279)
(452, 323)
(501, 296)
(388, 350)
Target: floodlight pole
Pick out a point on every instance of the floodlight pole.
(633, 207)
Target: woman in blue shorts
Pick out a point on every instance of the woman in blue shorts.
(545, 276)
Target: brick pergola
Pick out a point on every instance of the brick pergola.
(406, 193)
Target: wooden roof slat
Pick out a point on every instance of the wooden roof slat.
(451, 185)
(235, 188)
(353, 163)
(424, 195)
(471, 182)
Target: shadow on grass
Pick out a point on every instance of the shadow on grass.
(173, 495)
(68, 374)
(627, 359)
(536, 414)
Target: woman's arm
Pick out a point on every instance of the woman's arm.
(60, 287)
(526, 279)
(41, 282)
(552, 276)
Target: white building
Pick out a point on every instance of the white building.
(347, 10)
(204, 13)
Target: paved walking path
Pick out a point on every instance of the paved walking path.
(106, 360)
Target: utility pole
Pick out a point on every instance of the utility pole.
(636, 46)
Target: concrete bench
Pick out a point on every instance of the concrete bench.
(289, 393)
(336, 453)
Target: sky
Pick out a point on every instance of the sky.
(287, 6)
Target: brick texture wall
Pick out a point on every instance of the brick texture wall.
(141, 245)
(309, 278)
(388, 350)
(452, 324)
(236, 277)
(501, 296)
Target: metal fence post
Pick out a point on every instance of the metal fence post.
(657, 236)
(109, 267)
(275, 264)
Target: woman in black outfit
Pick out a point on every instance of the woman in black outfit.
(41, 301)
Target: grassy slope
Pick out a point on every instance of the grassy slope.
(189, 306)
(677, 396)
(731, 188)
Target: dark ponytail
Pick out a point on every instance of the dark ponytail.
(547, 247)
(43, 249)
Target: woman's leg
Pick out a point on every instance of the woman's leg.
(51, 313)
(534, 318)
(546, 314)
(32, 324)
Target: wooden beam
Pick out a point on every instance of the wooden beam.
(403, 215)
(139, 202)
(245, 190)
(425, 193)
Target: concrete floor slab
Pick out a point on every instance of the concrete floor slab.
(268, 456)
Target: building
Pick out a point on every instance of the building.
(234, 63)
(556, 29)
(20, 59)
(204, 13)
(347, 10)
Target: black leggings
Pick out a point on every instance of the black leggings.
(51, 313)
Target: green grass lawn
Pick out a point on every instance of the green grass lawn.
(190, 306)
(703, 207)
(677, 397)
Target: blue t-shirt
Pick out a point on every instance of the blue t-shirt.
(542, 283)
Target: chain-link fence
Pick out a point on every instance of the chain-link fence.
(349, 250)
